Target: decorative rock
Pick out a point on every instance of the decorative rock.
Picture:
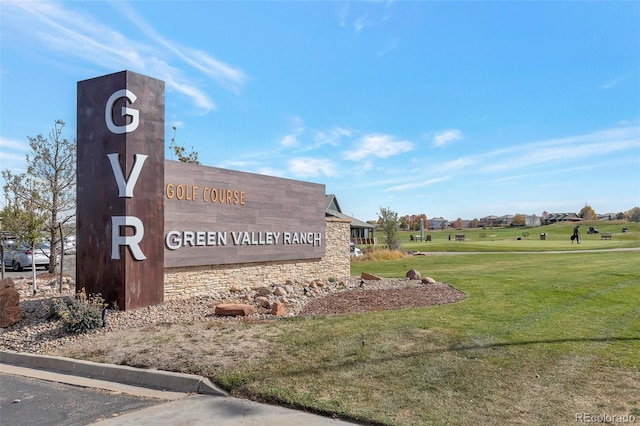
(10, 311)
(370, 277)
(412, 274)
(428, 280)
(10, 315)
(6, 283)
(263, 291)
(278, 309)
(234, 309)
(9, 297)
(263, 301)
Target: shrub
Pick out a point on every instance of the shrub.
(81, 314)
(380, 254)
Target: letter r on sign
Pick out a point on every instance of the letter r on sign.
(133, 241)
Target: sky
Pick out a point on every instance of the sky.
(446, 108)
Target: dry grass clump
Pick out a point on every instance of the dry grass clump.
(378, 254)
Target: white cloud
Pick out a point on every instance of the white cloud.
(289, 140)
(613, 82)
(13, 144)
(331, 136)
(563, 150)
(378, 145)
(416, 185)
(270, 171)
(362, 22)
(308, 167)
(76, 34)
(445, 137)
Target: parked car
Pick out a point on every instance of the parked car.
(18, 256)
(625, 229)
(592, 230)
(355, 251)
(69, 245)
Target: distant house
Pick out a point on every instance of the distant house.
(438, 223)
(505, 220)
(489, 221)
(551, 218)
(361, 232)
(532, 220)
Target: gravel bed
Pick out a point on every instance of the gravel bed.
(38, 334)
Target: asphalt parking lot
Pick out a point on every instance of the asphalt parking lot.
(69, 268)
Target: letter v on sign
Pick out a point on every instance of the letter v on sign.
(125, 187)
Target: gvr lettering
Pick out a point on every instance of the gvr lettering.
(125, 186)
(133, 113)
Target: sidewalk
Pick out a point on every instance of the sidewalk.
(191, 400)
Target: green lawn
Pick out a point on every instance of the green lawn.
(557, 237)
(540, 338)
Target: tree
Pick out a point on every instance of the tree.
(178, 151)
(587, 212)
(475, 223)
(388, 221)
(22, 215)
(519, 220)
(425, 221)
(404, 222)
(634, 214)
(47, 189)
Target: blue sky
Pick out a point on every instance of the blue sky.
(452, 109)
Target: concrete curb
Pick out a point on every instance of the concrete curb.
(154, 379)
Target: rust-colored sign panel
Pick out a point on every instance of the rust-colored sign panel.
(120, 185)
(221, 217)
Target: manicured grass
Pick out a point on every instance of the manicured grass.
(540, 338)
(557, 237)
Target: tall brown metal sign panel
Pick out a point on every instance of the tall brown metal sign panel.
(120, 179)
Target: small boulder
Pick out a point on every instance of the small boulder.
(369, 277)
(10, 315)
(428, 280)
(263, 302)
(263, 291)
(10, 310)
(412, 274)
(234, 309)
(278, 309)
(279, 291)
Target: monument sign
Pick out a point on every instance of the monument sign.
(138, 214)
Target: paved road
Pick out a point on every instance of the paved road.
(31, 401)
(45, 399)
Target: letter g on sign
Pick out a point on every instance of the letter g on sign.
(133, 113)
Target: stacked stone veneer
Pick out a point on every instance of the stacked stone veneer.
(181, 283)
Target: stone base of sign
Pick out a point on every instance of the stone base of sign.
(183, 283)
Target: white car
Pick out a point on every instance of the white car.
(355, 251)
(19, 256)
